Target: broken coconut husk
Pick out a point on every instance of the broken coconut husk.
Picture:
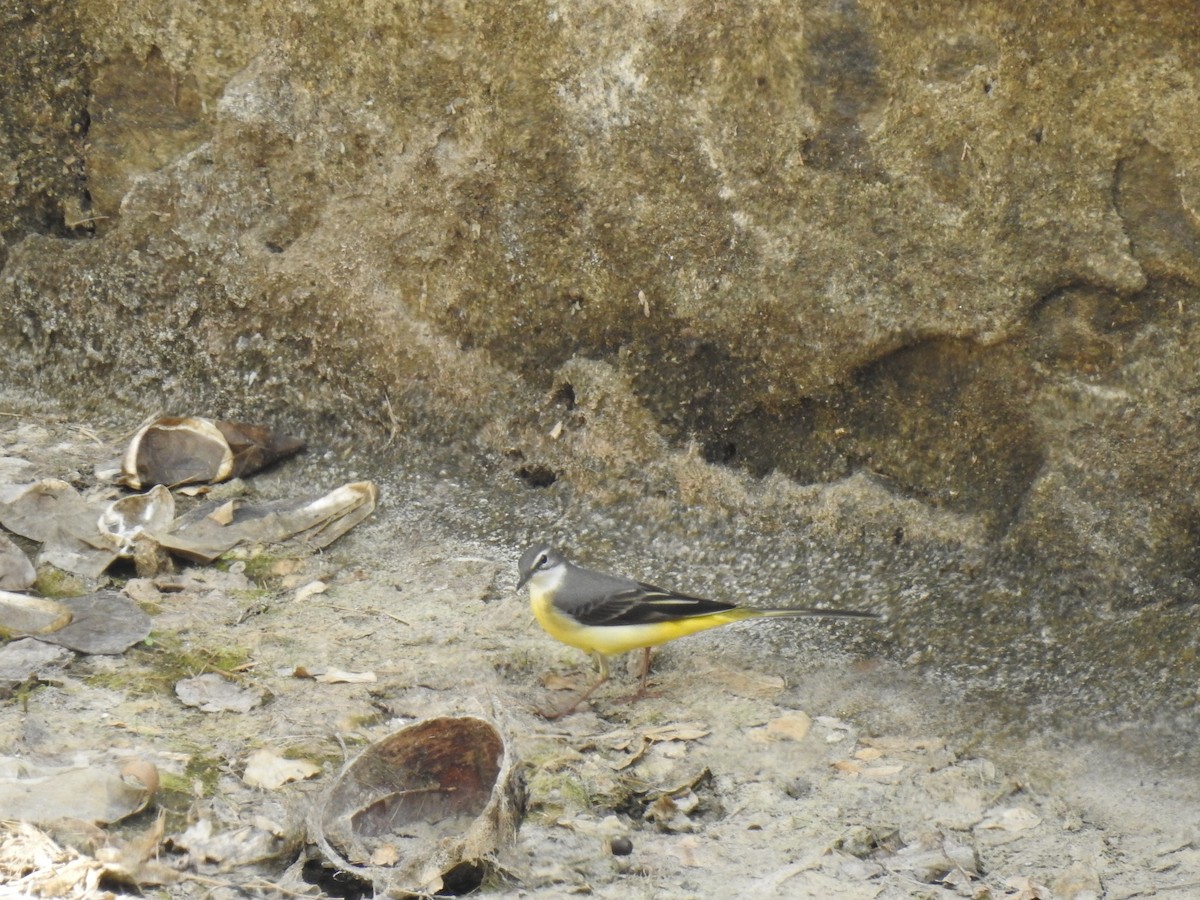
(54, 514)
(424, 808)
(127, 518)
(22, 615)
(313, 522)
(103, 792)
(173, 451)
(102, 623)
(16, 571)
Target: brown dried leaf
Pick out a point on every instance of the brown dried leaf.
(1026, 889)
(679, 731)
(223, 514)
(212, 693)
(792, 726)
(268, 770)
(749, 684)
(337, 676)
(901, 743)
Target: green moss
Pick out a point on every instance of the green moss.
(178, 792)
(155, 665)
(260, 567)
(553, 794)
(366, 721)
(55, 584)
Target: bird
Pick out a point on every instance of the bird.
(606, 615)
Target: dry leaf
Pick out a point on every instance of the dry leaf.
(212, 693)
(337, 676)
(679, 731)
(880, 772)
(223, 514)
(311, 590)
(1011, 819)
(237, 847)
(793, 726)
(265, 769)
(897, 743)
(748, 684)
(385, 855)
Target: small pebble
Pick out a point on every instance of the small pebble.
(620, 846)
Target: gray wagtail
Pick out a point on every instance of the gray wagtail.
(605, 614)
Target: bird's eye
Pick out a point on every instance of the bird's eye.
(541, 561)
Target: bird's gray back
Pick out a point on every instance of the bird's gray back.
(582, 588)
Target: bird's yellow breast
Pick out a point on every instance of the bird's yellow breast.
(611, 640)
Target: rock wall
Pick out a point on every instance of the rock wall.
(951, 249)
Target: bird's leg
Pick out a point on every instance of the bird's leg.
(602, 660)
(645, 679)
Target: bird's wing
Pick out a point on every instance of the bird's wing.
(625, 602)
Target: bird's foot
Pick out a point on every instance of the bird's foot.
(553, 715)
(642, 693)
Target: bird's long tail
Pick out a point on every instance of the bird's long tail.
(799, 611)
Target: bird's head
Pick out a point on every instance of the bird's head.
(536, 560)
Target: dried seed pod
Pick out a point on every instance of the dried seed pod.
(422, 807)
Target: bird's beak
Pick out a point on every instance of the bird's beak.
(521, 581)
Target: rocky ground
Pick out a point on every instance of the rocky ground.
(789, 759)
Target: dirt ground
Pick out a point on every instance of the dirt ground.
(822, 769)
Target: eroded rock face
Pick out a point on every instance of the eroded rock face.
(955, 250)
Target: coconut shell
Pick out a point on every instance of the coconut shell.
(418, 807)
